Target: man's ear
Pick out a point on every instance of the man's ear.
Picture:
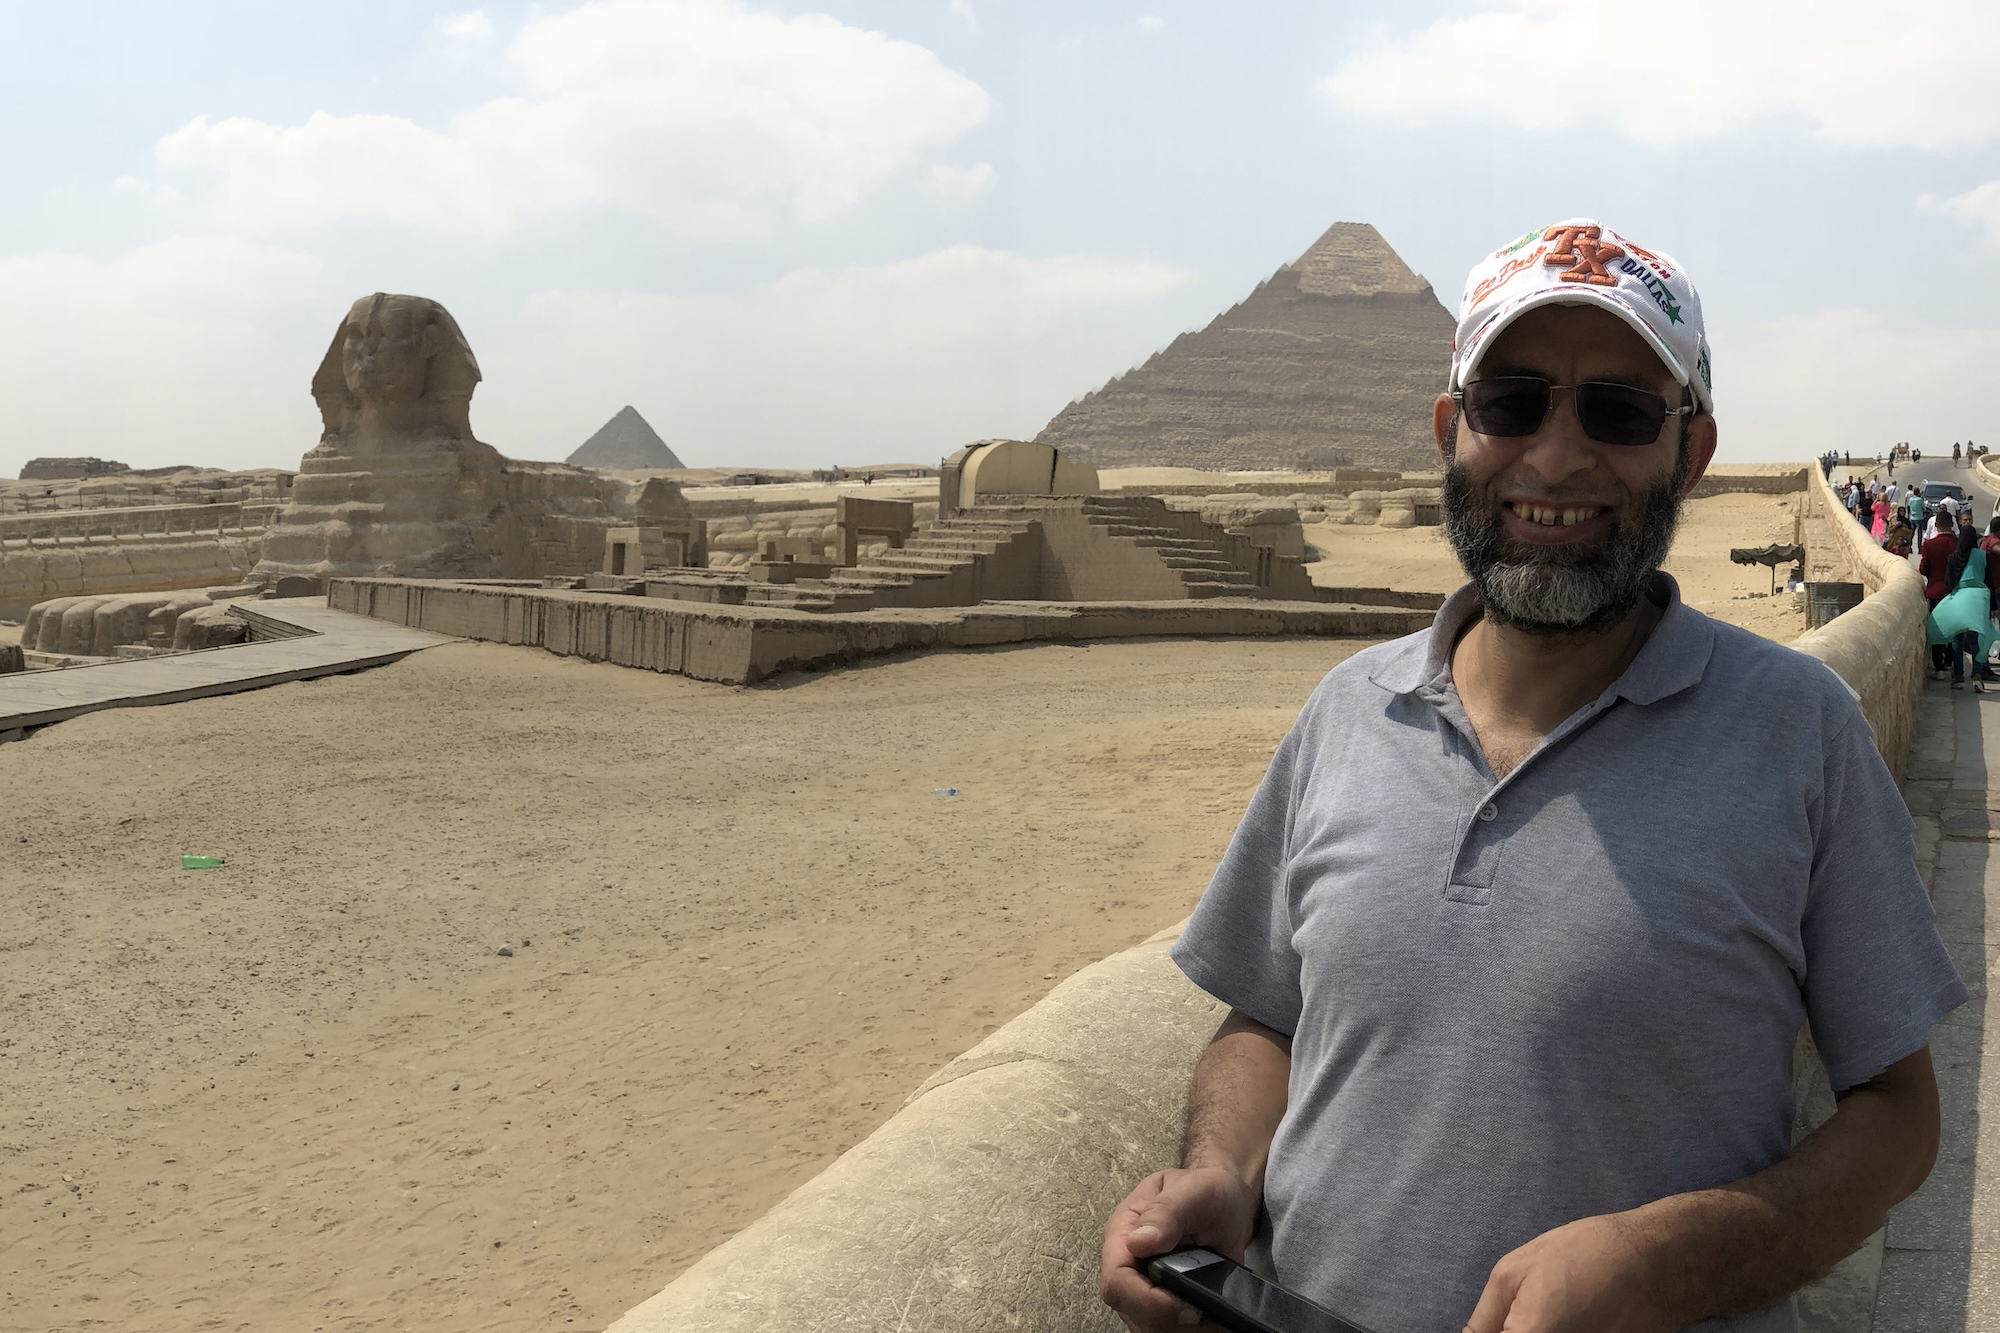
(1700, 448)
(1442, 411)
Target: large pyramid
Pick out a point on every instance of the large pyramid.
(1334, 360)
(625, 441)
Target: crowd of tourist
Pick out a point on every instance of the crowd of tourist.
(1959, 564)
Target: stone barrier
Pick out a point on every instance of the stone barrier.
(738, 645)
(980, 1204)
(1877, 648)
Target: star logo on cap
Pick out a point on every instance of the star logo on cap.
(1673, 313)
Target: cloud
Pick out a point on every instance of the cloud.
(1151, 23)
(1856, 73)
(909, 358)
(158, 356)
(714, 121)
(1978, 207)
(960, 185)
(1851, 379)
(471, 26)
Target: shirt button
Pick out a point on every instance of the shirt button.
(1489, 813)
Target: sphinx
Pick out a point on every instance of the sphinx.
(398, 484)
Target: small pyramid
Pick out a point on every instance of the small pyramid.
(625, 441)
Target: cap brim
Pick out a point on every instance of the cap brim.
(1581, 295)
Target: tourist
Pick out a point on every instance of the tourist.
(1879, 528)
(1505, 1044)
(1915, 504)
(1990, 544)
(1962, 624)
(1934, 565)
(1898, 541)
(1954, 453)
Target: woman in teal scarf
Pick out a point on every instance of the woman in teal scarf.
(1964, 619)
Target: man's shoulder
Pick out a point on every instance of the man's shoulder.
(1379, 670)
(1779, 684)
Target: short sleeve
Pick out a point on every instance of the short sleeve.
(1877, 973)
(1238, 944)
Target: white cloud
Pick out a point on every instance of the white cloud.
(911, 358)
(471, 26)
(1858, 73)
(158, 356)
(711, 119)
(960, 185)
(1978, 207)
(1151, 23)
(1852, 379)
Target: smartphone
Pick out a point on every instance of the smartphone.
(1231, 1295)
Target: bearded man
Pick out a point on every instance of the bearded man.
(1522, 924)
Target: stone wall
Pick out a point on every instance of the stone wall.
(1878, 646)
(980, 1204)
(155, 564)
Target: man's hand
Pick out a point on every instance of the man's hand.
(1594, 1275)
(1204, 1206)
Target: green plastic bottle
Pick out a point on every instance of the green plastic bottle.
(200, 862)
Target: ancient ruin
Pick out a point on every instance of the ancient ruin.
(625, 441)
(62, 469)
(1335, 359)
(398, 482)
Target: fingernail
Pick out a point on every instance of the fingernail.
(1146, 1235)
(1190, 1317)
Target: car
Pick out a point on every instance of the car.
(1935, 493)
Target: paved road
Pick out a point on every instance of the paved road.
(1936, 469)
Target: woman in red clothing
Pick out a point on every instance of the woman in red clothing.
(1934, 563)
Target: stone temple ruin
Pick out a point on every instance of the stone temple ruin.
(1334, 360)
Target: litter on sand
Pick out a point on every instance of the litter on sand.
(200, 862)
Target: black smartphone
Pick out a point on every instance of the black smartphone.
(1231, 1295)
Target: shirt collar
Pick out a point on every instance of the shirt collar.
(1673, 659)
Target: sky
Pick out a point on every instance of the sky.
(859, 231)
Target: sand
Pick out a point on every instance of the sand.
(1419, 559)
(306, 1091)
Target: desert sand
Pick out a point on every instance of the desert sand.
(307, 1091)
(1419, 559)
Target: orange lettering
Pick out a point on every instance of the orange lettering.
(1586, 255)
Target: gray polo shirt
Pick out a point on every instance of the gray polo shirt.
(1570, 992)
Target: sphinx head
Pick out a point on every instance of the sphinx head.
(401, 361)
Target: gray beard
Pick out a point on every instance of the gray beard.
(1576, 589)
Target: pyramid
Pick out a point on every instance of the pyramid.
(625, 441)
(1332, 361)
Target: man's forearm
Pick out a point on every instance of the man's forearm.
(1748, 1245)
(1237, 1098)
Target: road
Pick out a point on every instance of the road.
(1935, 469)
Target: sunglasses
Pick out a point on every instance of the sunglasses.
(1511, 406)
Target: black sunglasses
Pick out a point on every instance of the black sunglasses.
(1510, 406)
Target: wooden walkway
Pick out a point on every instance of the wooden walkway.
(296, 639)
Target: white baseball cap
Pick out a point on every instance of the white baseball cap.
(1583, 262)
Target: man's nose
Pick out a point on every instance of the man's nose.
(1560, 450)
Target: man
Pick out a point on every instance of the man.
(1522, 923)
(1916, 508)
